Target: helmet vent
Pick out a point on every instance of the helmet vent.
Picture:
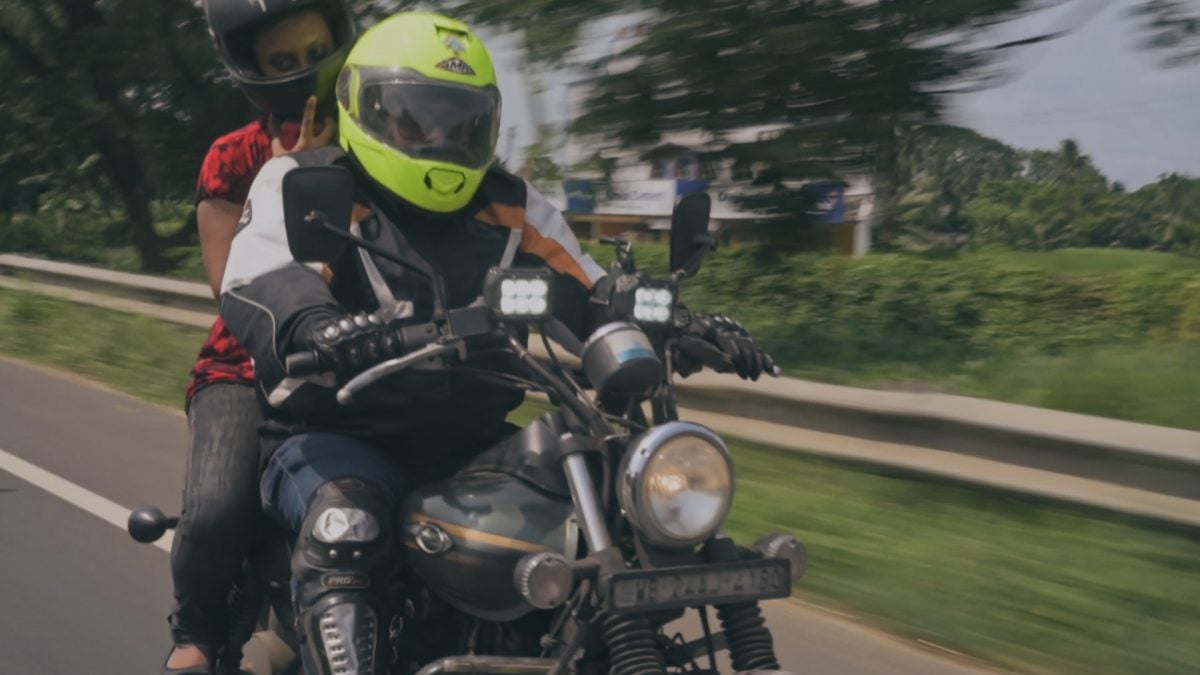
(445, 182)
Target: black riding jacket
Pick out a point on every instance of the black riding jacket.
(272, 304)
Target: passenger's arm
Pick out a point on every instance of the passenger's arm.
(217, 221)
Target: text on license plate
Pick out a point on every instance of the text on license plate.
(645, 590)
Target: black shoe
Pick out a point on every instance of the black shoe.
(210, 668)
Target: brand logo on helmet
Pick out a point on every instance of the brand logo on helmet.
(455, 44)
(457, 65)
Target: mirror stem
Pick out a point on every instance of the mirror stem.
(436, 283)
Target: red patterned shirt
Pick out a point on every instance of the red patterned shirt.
(228, 170)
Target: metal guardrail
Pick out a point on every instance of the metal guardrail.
(1124, 466)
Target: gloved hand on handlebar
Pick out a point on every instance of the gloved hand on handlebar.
(721, 343)
(353, 343)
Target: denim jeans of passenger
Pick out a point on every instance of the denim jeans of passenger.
(221, 513)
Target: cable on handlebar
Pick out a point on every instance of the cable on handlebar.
(518, 382)
(579, 407)
(557, 364)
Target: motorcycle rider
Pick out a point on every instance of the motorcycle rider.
(418, 113)
(284, 55)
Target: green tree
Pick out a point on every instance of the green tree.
(551, 27)
(539, 165)
(940, 169)
(839, 85)
(1060, 199)
(1171, 27)
(131, 83)
(1168, 212)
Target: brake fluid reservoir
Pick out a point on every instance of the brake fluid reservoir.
(620, 361)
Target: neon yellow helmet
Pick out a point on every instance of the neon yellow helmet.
(419, 109)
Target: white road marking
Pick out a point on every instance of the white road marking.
(73, 494)
(939, 647)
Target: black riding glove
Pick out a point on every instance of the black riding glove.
(354, 343)
(721, 343)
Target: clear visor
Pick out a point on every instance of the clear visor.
(433, 121)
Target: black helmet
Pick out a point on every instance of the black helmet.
(233, 25)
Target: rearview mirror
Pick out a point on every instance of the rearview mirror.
(689, 233)
(316, 200)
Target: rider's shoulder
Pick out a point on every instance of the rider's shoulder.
(501, 186)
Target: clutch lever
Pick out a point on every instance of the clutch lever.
(346, 394)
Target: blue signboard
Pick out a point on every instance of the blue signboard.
(830, 198)
(687, 187)
(581, 198)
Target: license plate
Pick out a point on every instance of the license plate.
(676, 587)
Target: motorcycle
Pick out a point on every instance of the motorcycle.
(573, 545)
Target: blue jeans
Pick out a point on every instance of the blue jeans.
(305, 462)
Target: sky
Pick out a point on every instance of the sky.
(1135, 118)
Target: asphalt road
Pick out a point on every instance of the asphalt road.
(78, 596)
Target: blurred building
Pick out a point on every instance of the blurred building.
(635, 191)
(637, 196)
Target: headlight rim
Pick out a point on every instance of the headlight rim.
(632, 471)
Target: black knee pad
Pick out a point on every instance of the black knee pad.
(343, 563)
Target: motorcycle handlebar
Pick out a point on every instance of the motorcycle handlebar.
(410, 338)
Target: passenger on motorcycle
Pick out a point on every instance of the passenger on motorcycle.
(285, 55)
(419, 111)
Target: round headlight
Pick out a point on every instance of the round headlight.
(677, 484)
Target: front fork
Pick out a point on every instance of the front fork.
(751, 646)
(631, 640)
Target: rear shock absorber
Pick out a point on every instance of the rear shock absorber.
(632, 647)
(750, 643)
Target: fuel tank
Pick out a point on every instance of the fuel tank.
(463, 537)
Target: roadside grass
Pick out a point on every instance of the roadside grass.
(1108, 332)
(1151, 383)
(1090, 260)
(1032, 585)
(137, 354)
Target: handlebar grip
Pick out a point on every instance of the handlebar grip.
(301, 364)
(408, 338)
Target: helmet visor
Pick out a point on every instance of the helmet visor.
(433, 120)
